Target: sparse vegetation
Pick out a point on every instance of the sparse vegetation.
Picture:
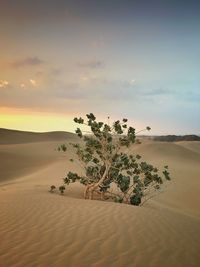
(110, 168)
(62, 189)
(52, 189)
(62, 147)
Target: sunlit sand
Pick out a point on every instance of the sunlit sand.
(38, 228)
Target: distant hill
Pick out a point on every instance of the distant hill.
(176, 138)
(8, 136)
(18, 137)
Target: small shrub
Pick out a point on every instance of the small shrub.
(52, 189)
(106, 159)
(62, 189)
(62, 147)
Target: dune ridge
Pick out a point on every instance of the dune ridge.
(8, 136)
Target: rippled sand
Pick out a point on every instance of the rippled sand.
(38, 228)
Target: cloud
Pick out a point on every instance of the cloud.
(29, 61)
(99, 43)
(132, 81)
(3, 83)
(93, 64)
(55, 71)
(84, 78)
(33, 82)
(157, 92)
(57, 91)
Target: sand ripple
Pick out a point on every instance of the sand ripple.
(40, 229)
(43, 229)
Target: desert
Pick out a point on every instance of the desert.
(99, 133)
(38, 228)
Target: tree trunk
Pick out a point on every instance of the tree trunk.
(93, 187)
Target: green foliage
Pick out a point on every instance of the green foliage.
(118, 199)
(80, 120)
(135, 199)
(105, 163)
(78, 132)
(71, 178)
(52, 188)
(62, 147)
(62, 189)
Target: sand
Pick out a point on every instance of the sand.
(38, 228)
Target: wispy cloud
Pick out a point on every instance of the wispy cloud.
(93, 64)
(55, 71)
(157, 92)
(33, 82)
(132, 82)
(3, 83)
(29, 61)
(57, 91)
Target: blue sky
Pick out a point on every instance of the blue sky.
(134, 59)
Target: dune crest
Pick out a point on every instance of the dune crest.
(8, 136)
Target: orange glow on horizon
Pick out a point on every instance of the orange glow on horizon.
(35, 121)
(38, 121)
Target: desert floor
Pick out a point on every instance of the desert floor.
(38, 228)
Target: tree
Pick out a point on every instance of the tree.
(110, 168)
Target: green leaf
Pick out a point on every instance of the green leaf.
(79, 120)
(52, 188)
(79, 132)
(100, 124)
(91, 117)
(166, 175)
(63, 147)
(135, 200)
(118, 199)
(138, 157)
(136, 178)
(62, 189)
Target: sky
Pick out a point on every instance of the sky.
(123, 59)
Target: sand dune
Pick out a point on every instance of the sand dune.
(38, 228)
(19, 137)
(194, 146)
(18, 160)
